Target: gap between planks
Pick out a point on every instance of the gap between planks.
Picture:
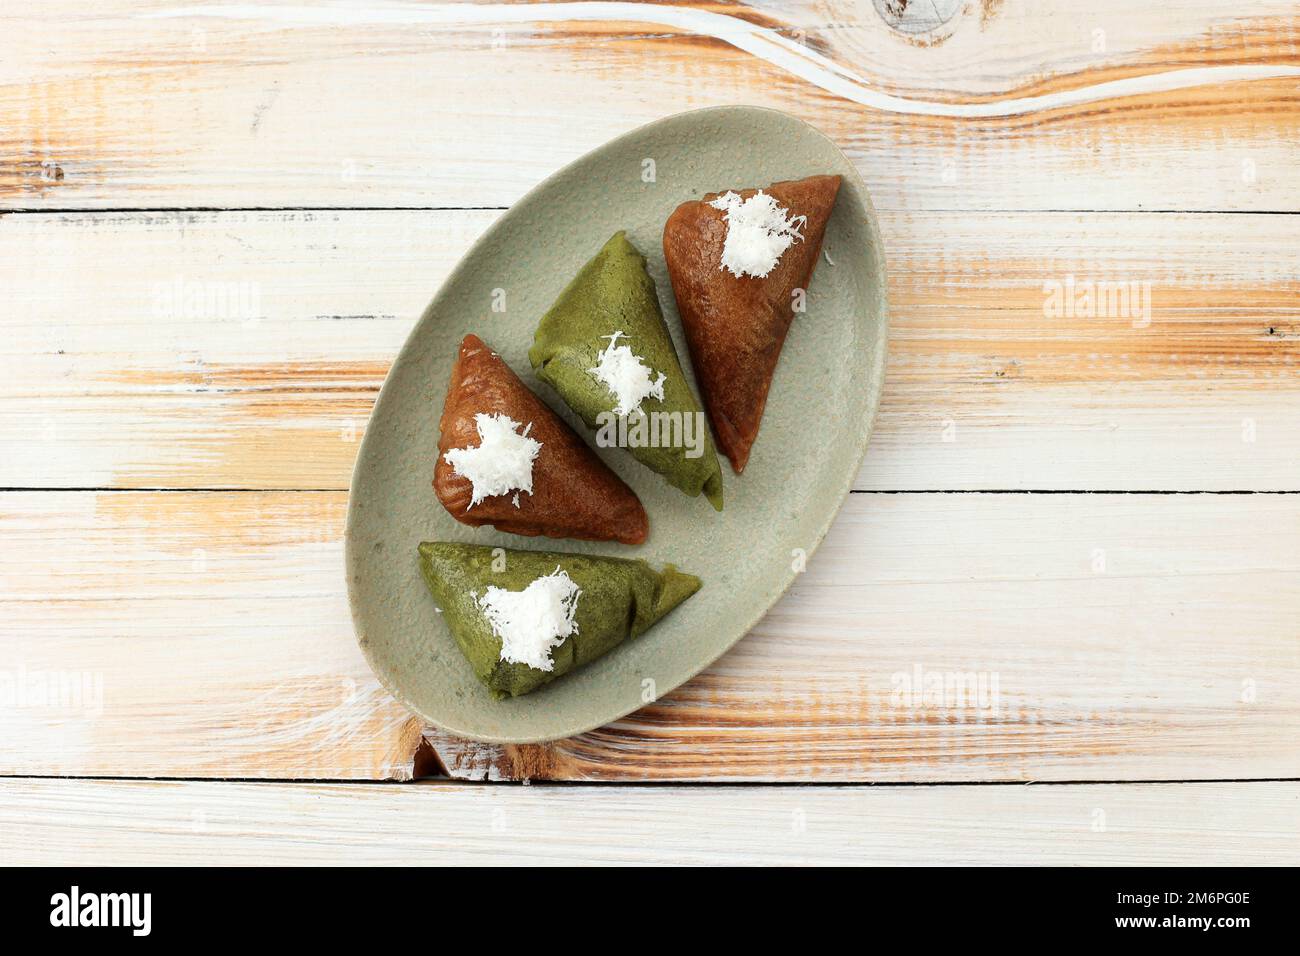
(419, 778)
(852, 491)
(128, 210)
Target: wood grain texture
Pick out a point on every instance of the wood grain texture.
(1126, 637)
(1077, 637)
(159, 103)
(78, 823)
(1072, 636)
(245, 349)
(186, 635)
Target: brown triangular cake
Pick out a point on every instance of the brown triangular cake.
(574, 494)
(736, 324)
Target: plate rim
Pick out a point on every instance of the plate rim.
(872, 224)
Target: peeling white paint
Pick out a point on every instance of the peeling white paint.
(766, 44)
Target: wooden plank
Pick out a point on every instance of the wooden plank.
(1126, 637)
(79, 823)
(239, 350)
(245, 349)
(1077, 637)
(154, 103)
(186, 635)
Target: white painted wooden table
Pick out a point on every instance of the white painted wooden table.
(219, 221)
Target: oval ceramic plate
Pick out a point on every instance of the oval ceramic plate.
(819, 415)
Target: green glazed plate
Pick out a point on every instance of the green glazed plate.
(815, 430)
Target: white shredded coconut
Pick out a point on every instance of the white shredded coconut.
(533, 622)
(502, 462)
(759, 230)
(622, 372)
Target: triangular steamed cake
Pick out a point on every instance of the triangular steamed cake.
(506, 460)
(735, 260)
(524, 618)
(604, 347)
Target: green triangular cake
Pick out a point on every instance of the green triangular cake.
(604, 347)
(524, 618)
